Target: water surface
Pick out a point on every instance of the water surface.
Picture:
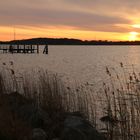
(77, 63)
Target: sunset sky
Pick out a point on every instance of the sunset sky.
(81, 19)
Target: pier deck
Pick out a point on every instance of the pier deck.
(19, 48)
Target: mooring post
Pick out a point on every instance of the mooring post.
(31, 49)
(37, 48)
(45, 51)
(24, 49)
(18, 48)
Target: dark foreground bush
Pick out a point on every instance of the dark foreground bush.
(37, 105)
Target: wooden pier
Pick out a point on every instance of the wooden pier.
(19, 48)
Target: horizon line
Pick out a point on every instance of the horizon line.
(73, 39)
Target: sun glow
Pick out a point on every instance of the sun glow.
(136, 26)
(133, 36)
(24, 32)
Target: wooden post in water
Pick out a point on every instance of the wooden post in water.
(37, 48)
(24, 49)
(45, 51)
(18, 48)
(31, 49)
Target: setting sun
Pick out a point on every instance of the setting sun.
(133, 36)
(136, 26)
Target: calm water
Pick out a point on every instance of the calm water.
(78, 63)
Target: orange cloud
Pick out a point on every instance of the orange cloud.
(22, 32)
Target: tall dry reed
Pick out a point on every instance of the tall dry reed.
(122, 111)
(49, 92)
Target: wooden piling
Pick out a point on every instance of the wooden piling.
(31, 49)
(18, 50)
(45, 51)
(37, 48)
(24, 48)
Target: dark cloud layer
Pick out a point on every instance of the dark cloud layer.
(96, 15)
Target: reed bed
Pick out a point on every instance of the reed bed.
(121, 114)
(119, 98)
(48, 92)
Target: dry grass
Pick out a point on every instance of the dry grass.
(49, 92)
(120, 105)
(122, 110)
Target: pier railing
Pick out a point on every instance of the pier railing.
(19, 48)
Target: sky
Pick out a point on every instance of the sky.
(82, 19)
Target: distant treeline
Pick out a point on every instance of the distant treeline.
(66, 41)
